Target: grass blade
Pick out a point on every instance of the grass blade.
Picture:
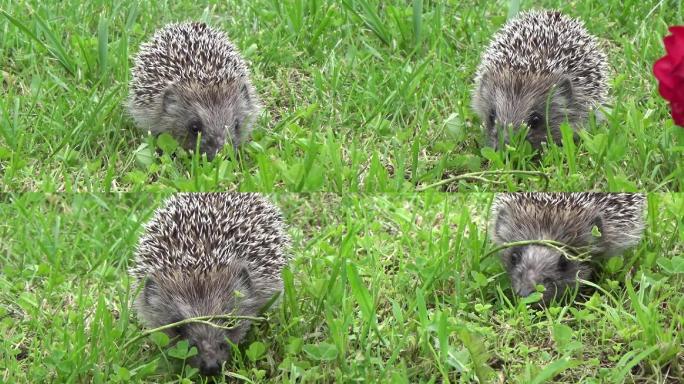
(513, 8)
(627, 362)
(102, 40)
(371, 19)
(417, 20)
(56, 47)
(360, 292)
(23, 28)
(553, 369)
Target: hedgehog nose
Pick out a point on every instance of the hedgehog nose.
(525, 291)
(210, 368)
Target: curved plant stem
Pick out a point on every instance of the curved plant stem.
(201, 319)
(567, 251)
(480, 177)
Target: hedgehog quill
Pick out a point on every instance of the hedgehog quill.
(541, 69)
(601, 224)
(189, 80)
(209, 254)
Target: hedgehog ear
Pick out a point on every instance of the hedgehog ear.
(170, 99)
(482, 84)
(245, 92)
(245, 278)
(484, 78)
(501, 216)
(563, 88)
(149, 289)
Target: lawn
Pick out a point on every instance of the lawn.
(386, 287)
(357, 97)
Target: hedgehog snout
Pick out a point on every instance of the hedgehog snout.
(526, 284)
(525, 289)
(210, 367)
(216, 139)
(210, 357)
(500, 135)
(212, 144)
(211, 150)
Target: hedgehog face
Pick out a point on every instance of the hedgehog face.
(532, 265)
(214, 115)
(172, 297)
(509, 102)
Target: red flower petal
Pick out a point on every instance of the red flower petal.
(667, 93)
(678, 72)
(677, 76)
(674, 46)
(662, 69)
(678, 113)
(677, 30)
(669, 70)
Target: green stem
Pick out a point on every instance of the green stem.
(567, 251)
(200, 319)
(479, 176)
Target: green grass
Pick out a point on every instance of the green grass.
(382, 288)
(357, 97)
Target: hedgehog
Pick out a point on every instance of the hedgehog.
(209, 254)
(190, 81)
(598, 225)
(540, 70)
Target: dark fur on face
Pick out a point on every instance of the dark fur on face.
(219, 114)
(540, 102)
(172, 297)
(532, 265)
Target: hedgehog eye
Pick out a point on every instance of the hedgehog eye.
(534, 121)
(195, 126)
(237, 126)
(180, 329)
(563, 263)
(515, 258)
